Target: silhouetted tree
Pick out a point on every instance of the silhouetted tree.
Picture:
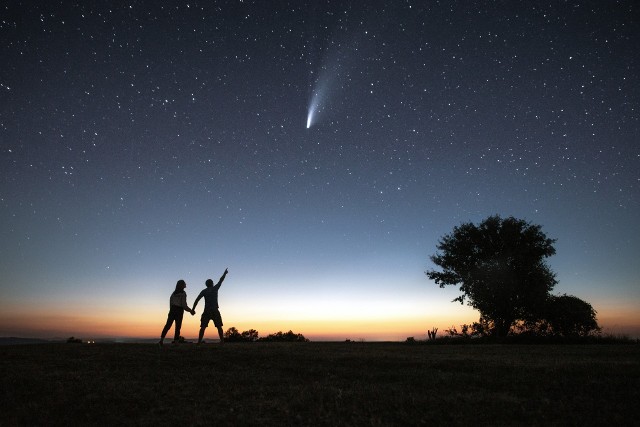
(232, 335)
(500, 268)
(250, 336)
(568, 315)
(285, 337)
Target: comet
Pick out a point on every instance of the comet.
(323, 90)
(309, 118)
(331, 76)
(313, 108)
(318, 100)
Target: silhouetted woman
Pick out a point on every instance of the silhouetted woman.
(177, 307)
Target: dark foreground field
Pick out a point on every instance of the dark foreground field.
(319, 384)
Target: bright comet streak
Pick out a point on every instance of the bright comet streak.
(313, 107)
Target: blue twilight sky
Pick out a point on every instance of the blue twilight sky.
(319, 149)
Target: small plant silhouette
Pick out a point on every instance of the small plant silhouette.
(432, 334)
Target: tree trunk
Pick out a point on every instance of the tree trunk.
(501, 328)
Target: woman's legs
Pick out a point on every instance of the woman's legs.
(166, 328)
(178, 325)
(173, 315)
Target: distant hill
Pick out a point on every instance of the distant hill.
(16, 341)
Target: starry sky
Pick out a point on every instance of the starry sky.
(318, 149)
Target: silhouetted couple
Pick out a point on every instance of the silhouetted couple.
(178, 305)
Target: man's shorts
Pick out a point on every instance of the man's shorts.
(211, 314)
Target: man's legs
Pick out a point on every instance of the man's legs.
(201, 334)
(217, 321)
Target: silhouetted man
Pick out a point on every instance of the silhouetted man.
(211, 312)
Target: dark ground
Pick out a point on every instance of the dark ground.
(320, 384)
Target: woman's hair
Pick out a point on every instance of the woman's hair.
(180, 286)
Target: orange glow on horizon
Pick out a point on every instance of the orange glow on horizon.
(147, 322)
(59, 326)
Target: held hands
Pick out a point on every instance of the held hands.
(193, 312)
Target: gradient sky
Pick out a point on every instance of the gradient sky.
(318, 149)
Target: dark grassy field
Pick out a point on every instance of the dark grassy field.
(320, 384)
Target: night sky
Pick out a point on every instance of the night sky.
(318, 149)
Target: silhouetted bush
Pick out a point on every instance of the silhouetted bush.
(570, 316)
(250, 336)
(285, 337)
(233, 335)
(74, 340)
(475, 330)
(455, 337)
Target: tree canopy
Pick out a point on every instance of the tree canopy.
(500, 268)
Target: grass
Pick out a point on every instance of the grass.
(320, 384)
